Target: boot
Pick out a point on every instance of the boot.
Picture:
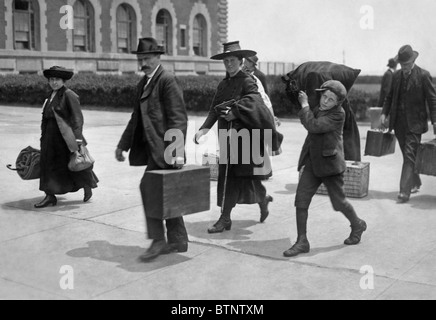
(221, 225)
(87, 194)
(48, 200)
(264, 208)
(301, 246)
(356, 233)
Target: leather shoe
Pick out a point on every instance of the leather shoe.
(356, 233)
(177, 247)
(48, 200)
(88, 194)
(264, 208)
(220, 226)
(157, 248)
(403, 198)
(301, 246)
(415, 189)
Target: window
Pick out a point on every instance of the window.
(83, 39)
(126, 28)
(200, 36)
(183, 37)
(24, 25)
(164, 27)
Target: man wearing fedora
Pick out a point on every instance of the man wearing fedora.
(411, 93)
(386, 82)
(159, 107)
(250, 66)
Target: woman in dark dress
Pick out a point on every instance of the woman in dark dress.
(61, 134)
(240, 182)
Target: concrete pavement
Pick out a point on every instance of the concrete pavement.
(89, 251)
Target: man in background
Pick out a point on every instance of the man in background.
(411, 93)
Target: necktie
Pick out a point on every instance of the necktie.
(146, 83)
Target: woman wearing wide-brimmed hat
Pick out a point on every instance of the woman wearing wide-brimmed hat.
(239, 180)
(62, 113)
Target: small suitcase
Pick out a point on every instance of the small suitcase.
(175, 193)
(426, 159)
(356, 180)
(380, 143)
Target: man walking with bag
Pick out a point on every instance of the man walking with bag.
(411, 93)
(159, 108)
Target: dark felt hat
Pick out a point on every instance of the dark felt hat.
(406, 54)
(233, 49)
(254, 59)
(149, 45)
(392, 63)
(58, 72)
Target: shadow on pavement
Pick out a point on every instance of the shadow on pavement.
(125, 256)
(290, 189)
(28, 204)
(265, 248)
(238, 232)
(423, 202)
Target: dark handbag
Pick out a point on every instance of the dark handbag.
(379, 143)
(27, 164)
(80, 160)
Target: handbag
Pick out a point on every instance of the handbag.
(80, 160)
(27, 164)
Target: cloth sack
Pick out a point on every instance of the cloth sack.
(308, 77)
(27, 164)
(80, 160)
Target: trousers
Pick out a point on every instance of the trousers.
(176, 230)
(409, 143)
(309, 184)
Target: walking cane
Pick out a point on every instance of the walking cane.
(227, 169)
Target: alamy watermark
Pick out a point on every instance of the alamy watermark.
(367, 281)
(67, 20)
(367, 19)
(67, 279)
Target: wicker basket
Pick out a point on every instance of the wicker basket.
(211, 160)
(356, 180)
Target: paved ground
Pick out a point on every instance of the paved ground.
(98, 242)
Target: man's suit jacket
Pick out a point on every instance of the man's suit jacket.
(158, 109)
(324, 143)
(385, 87)
(420, 94)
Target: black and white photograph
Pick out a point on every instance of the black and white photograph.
(217, 156)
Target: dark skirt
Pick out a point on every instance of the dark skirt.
(56, 178)
(239, 190)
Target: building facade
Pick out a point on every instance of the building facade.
(99, 35)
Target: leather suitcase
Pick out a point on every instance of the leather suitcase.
(380, 143)
(426, 159)
(175, 193)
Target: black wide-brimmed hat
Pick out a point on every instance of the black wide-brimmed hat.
(149, 45)
(233, 49)
(58, 72)
(406, 54)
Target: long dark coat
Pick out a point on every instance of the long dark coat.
(62, 124)
(158, 109)
(420, 94)
(324, 143)
(252, 115)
